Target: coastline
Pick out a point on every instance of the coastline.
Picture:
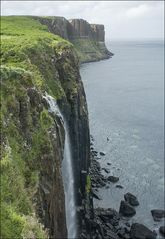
(97, 195)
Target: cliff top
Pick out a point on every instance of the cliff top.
(25, 43)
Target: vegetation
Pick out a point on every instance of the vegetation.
(28, 53)
(31, 59)
(88, 184)
(28, 46)
(87, 50)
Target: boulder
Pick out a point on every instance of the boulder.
(102, 153)
(131, 199)
(162, 230)
(113, 179)
(126, 209)
(139, 231)
(158, 214)
(119, 186)
(106, 170)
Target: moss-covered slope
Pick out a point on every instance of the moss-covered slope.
(33, 61)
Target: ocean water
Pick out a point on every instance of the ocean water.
(125, 97)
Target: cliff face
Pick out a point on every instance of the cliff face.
(35, 61)
(99, 33)
(88, 39)
(83, 29)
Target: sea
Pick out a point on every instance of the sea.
(125, 97)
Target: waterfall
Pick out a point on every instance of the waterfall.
(67, 174)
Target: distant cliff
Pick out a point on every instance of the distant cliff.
(88, 39)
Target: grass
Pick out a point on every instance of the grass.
(27, 45)
(31, 57)
(87, 50)
(88, 184)
(27, 54)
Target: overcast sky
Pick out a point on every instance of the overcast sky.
(122, 19)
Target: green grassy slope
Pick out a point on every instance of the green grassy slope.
(28, 52)
(88, 50)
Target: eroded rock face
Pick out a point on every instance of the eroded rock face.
(74, 28)
(51, 190)
(82, 28)
(57, 25)
(85, 30)
(49, 198)
(74, 109)
(98, 32)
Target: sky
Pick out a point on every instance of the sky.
(122, 19)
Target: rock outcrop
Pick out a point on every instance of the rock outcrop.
(98, 32)
(84, 30)
(88, 39)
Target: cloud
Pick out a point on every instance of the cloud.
(122, 19)
(138, 11)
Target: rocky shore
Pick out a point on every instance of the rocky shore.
(109, 223)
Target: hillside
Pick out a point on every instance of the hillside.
(35, 61)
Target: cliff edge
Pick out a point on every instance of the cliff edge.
(35, 62)
(88, 39)
(40, 56)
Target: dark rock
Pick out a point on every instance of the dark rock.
(102, 153)
(127, 236)
(119, 186)
(126, 209)
(83, 235)
(113, 179)
(139, 231)
(158, 214)
(109, 225)
(128, 224)
(102, 184)
(121, 232)
(162, 230)
(108, 163)
(95, 152)
(106, 170)
(131, 199)
(35, 97)
(94, 194)
(92, 138)
(106, 213)
(112, 235)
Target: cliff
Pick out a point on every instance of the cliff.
(35, 61)
(88, 39)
